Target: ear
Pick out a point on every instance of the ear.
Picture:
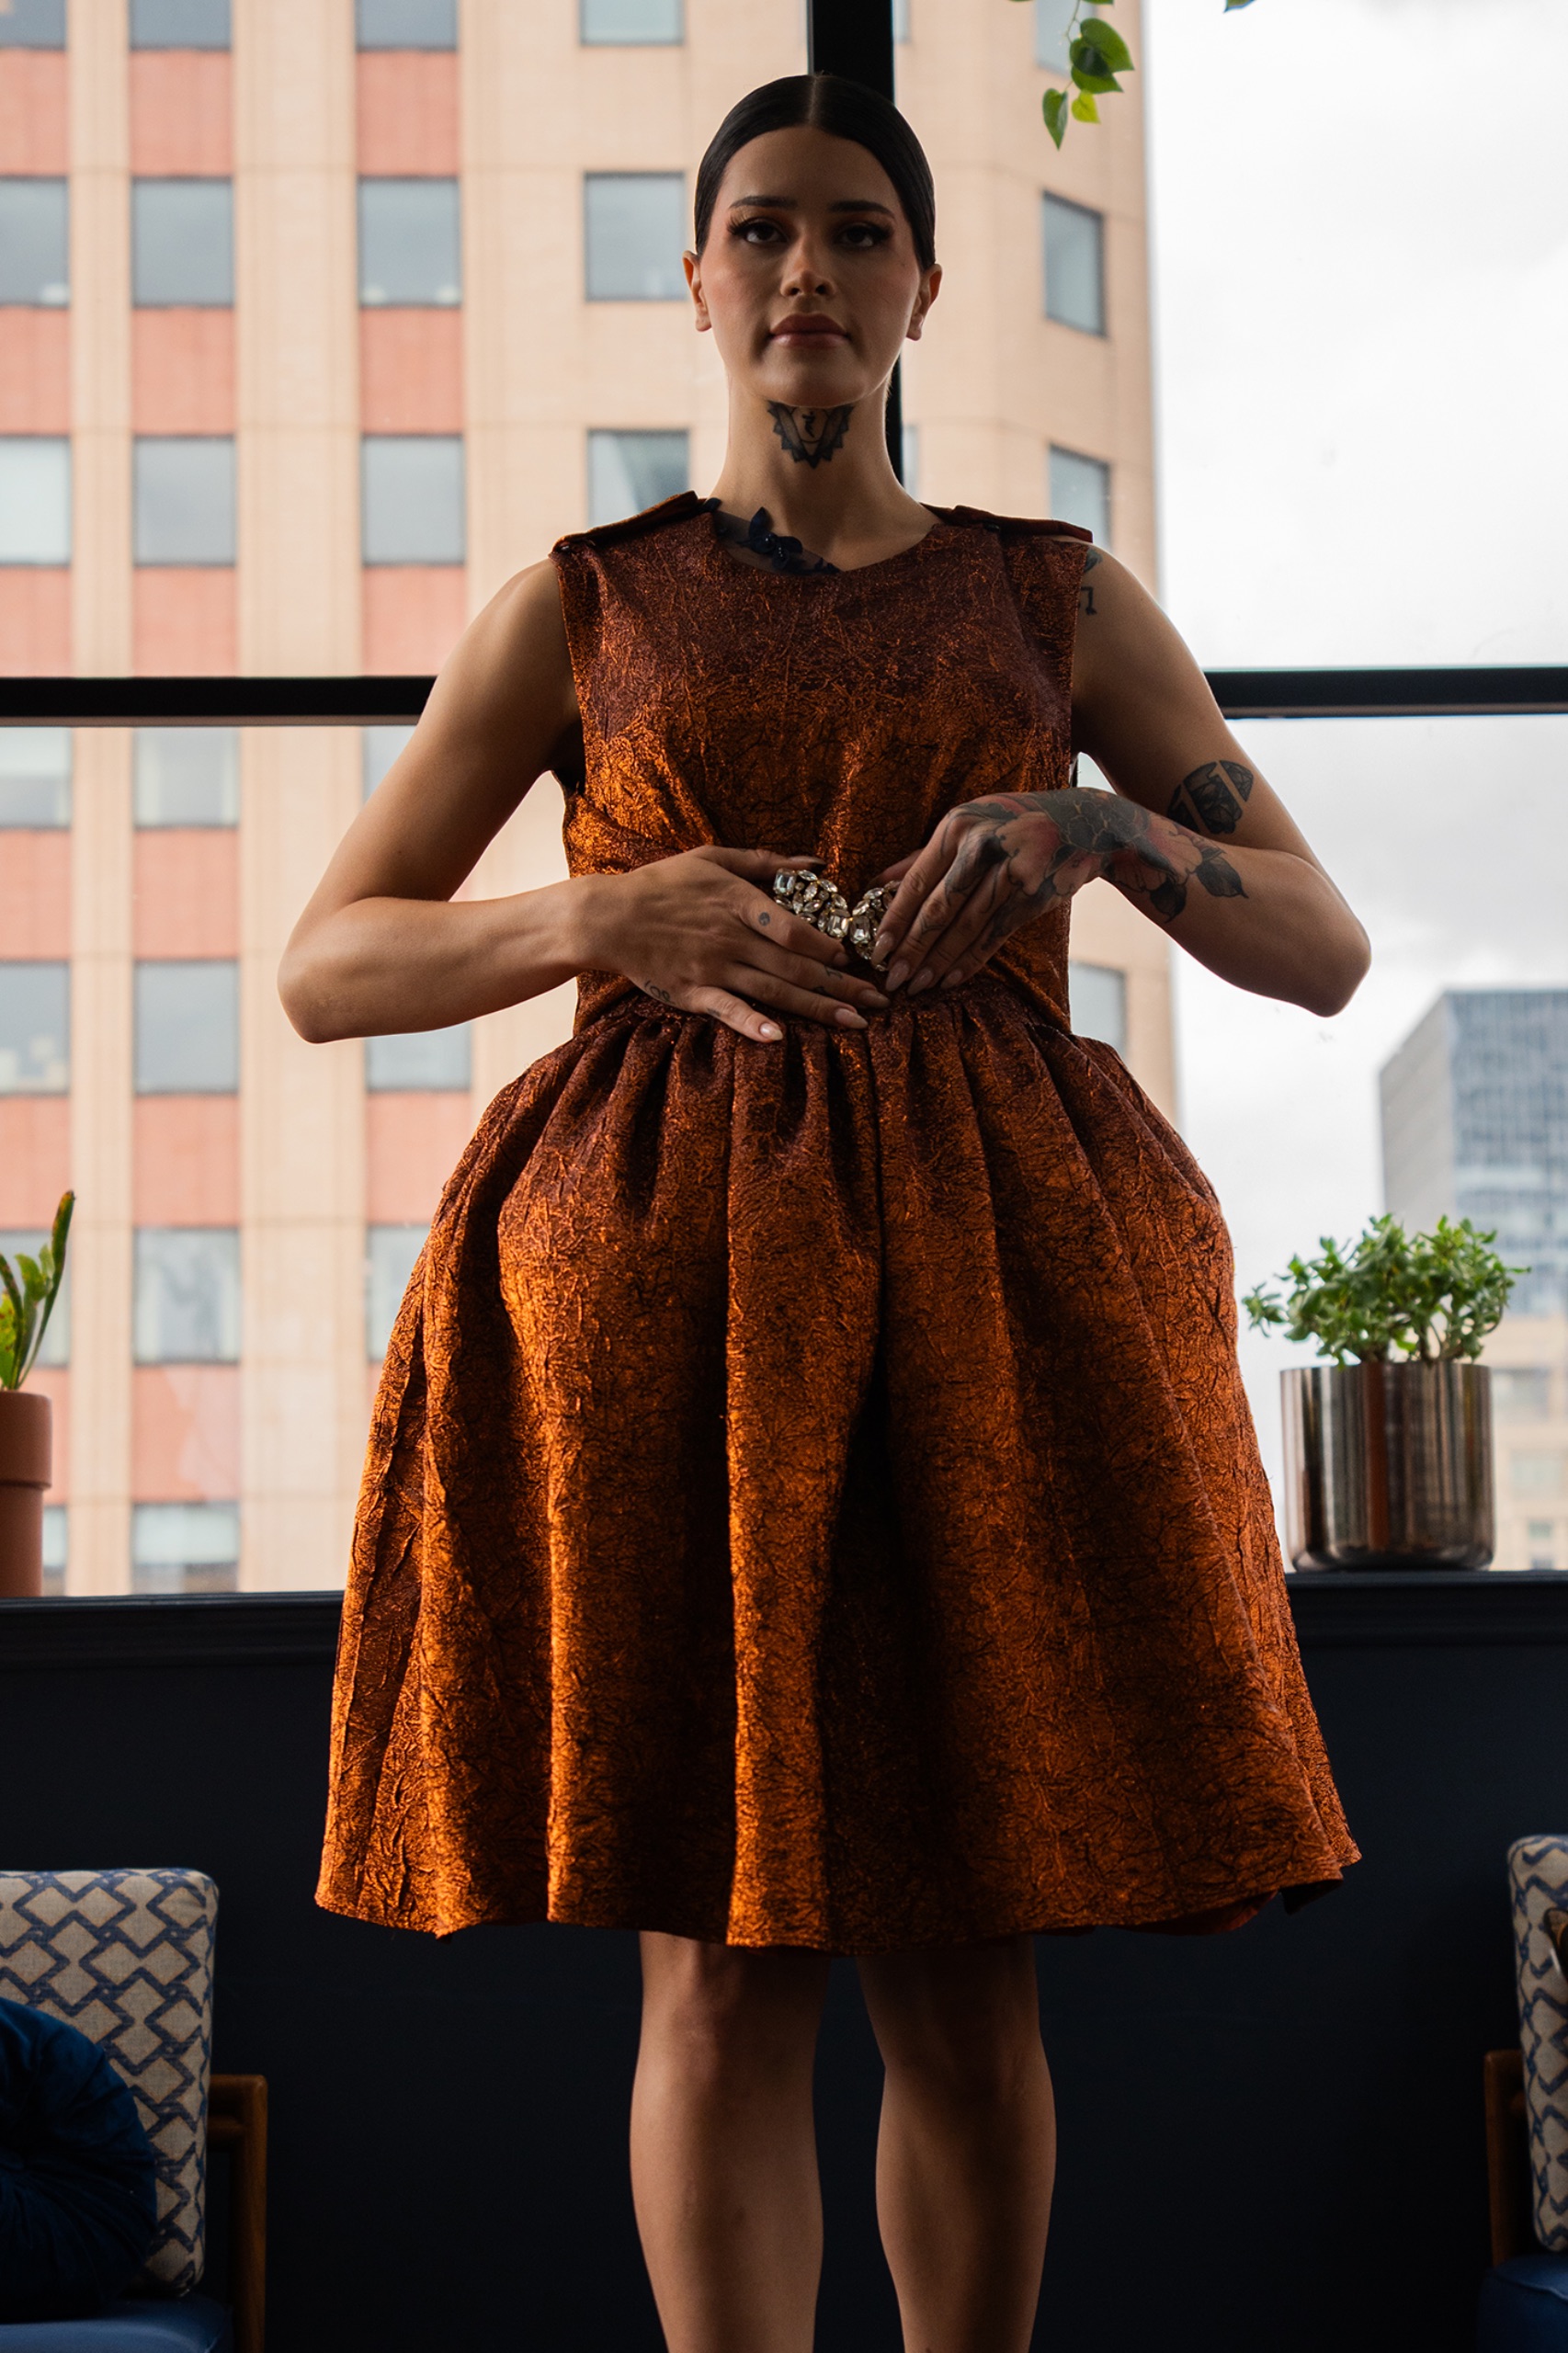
(930, 287)
(693, 269)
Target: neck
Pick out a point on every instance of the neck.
(823, 475)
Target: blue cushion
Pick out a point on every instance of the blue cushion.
(195, 2325)
(1524, 2307)
(78, 2200)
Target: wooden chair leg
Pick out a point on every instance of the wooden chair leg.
(236, 2120)
(1508, 2157)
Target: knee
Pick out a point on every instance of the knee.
(722, 2009)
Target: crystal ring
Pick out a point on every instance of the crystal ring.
(824, 905)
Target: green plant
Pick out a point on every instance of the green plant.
(1096, 55)
(29, 1289)
(1427, 1296)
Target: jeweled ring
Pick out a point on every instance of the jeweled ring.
(824, 905)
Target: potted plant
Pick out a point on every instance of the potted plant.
(1388, 1447)
(29, 1289)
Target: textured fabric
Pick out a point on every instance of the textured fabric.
(195, 2325)
(810, 1498)
(1538, 1883)
(127, 1956)
(1524, 2306)
(77, 2203)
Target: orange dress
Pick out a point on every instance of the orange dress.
(811, 1498)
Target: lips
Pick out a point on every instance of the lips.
(807, 327)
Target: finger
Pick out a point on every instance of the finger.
(758, 865)
(803, 972)
(919, 880)
(735, 1014)
(982, 915)
(783, 996)
(792, 932)
(939, 904)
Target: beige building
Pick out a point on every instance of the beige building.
(317, 321)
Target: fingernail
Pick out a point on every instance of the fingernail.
(880, 947)
(951, 979)
(875, 997)
(850, 1019)
(922, 981)
(768, 1031)
(900, 972)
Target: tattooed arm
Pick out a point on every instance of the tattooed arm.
(1191, 833)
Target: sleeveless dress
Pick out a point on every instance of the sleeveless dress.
(811, 1498)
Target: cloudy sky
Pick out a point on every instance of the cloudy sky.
(1360, 216)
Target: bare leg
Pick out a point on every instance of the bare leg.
(723, 2153)
(968, 2146)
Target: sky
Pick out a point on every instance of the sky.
(1361, 226)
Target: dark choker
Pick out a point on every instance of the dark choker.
(779, 554)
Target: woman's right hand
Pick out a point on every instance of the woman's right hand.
(703, 931)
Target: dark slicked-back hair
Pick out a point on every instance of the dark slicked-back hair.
(847, 110)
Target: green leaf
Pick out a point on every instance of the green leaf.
(1229, 5)
(1054, 108)
(1085, 109)
(1109, 41)
(1104, 84)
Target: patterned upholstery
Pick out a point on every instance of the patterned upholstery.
(1538, 1873)
(127, 1957)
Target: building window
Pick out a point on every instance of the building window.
(407, 24)
(1098, 993)
(35, 1029)
(185, 1548)
(34, 242)
(1080, 492)
(182, 244)
(56, 1349)
(379, 747)
(410, 250)
(630, 471)
(179, 24)
(909, 454)
(1074, 266)
(1051, 18)
(187, 1304)
(56, 1549)
(629, 23)
(33, 24)
(1522, 1393)
(1539, 1537)
(420, 1062)
(634, 233)
(391, 1252)
(35, 777)
(188, 1027)
(186, 776)
(35, 499)
(412, 509)
(1536, 1473)
(185, 499)
(901, 19)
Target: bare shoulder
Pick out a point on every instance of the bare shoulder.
(510, 668)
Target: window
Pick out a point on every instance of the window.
(185, 499)
(33, 24)
(407, 24)
(35, 777)
(634, 230)
(630, 471)
(1537, 1474)
(630, 21)
(1051, 18)
(35, 1029)
(188, 776)
(409, 243)
(390, 1255)
(423, 1061)
(35, 499)
(56, 1548)
(1522, 1393)
(1080, 492)
(186, 1306)
(910, 454)
(379, 747)
(182, 243)
(188, 1027)
(34, 242)
(185, 1548)
(1074, 266)
(56, 1346)
(413, 498)
(901, 19)
(1539, 1536)
(1099, 998)
(179, 24)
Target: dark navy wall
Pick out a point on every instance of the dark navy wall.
(1270, 2139)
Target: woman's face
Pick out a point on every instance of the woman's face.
(809, 278)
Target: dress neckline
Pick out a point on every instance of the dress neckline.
(715, 545)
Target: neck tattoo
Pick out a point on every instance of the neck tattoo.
(810, 435)
(760, 539)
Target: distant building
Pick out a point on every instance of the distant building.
(1475, 1124)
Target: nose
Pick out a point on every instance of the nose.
(808, 272)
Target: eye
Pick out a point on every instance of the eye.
(863, 236)
(757, 231)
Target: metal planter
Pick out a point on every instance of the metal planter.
(1389, 1466)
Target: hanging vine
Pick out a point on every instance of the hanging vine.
(1096, 54)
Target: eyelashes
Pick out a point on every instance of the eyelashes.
(866, 235)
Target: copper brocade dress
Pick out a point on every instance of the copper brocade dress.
(811, 1499)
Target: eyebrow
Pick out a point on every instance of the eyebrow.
(792, 203)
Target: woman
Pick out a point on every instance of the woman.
(811, 1504)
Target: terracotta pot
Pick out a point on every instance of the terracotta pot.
(24, 1451)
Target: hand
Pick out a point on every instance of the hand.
(702, 931)
(993, 865)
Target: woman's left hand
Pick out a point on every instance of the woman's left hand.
(994, 864)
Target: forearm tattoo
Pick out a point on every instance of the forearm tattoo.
(1087, 603)
(810, 435)
(1213, 797)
